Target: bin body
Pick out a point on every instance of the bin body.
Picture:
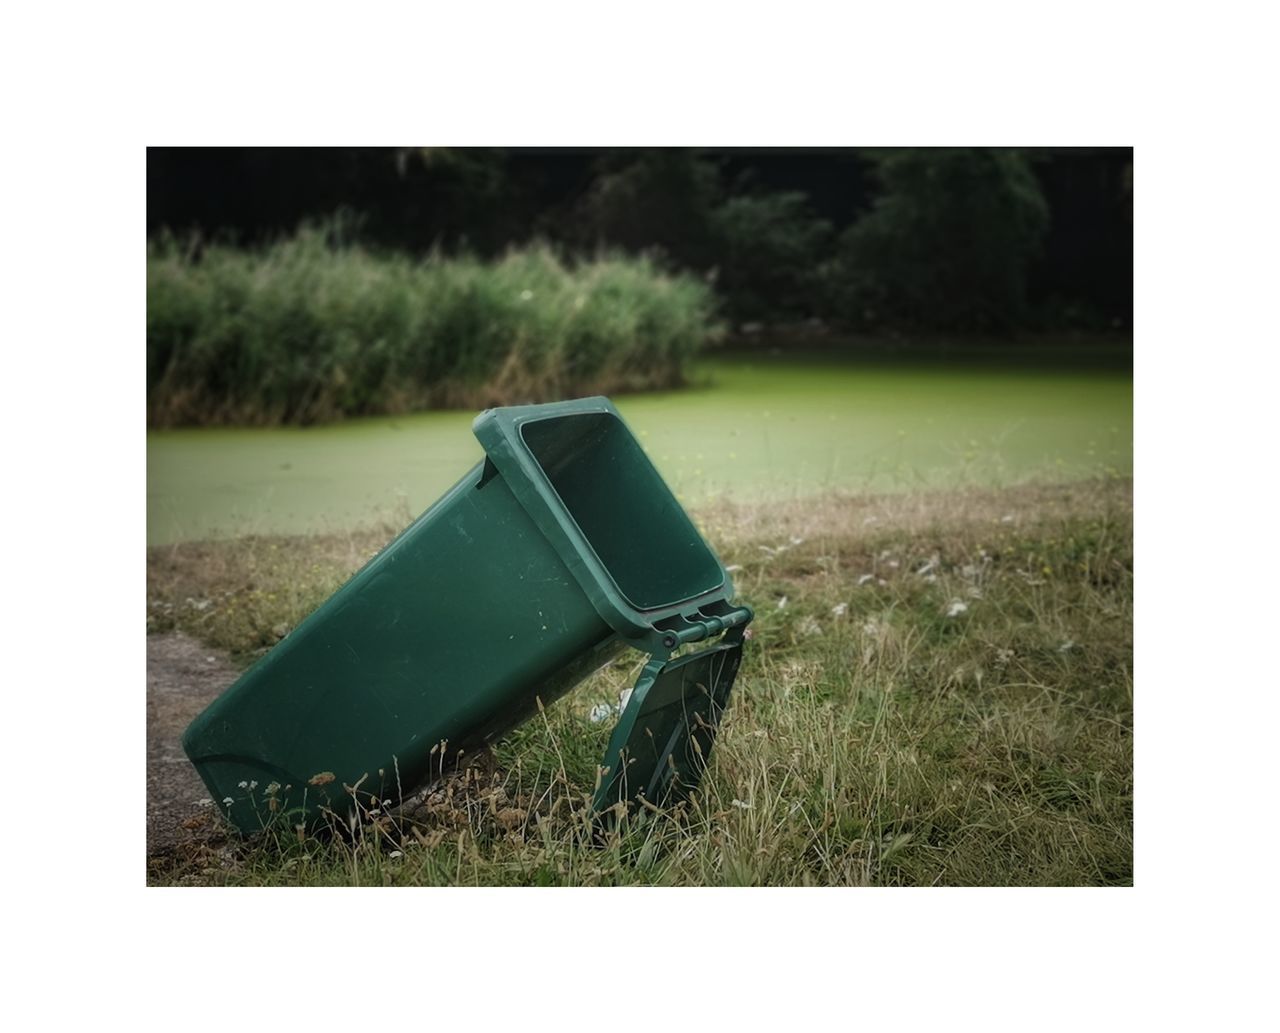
(424, 646)
(538, 567)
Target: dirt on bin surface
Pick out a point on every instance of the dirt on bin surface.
(183, 677)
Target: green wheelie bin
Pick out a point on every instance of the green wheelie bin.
(561, 549)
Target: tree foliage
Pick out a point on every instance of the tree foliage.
(654, 200)
(947, 244)
(771, 250)
(936, 239)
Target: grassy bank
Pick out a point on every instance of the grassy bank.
(938, 690)
(303, 332)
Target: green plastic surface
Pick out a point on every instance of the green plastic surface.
(662, 742)
(643, 538)
(538, 567)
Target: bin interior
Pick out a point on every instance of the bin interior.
(641, 534)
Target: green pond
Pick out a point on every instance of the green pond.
(758, 427)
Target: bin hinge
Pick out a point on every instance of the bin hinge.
(699, 625)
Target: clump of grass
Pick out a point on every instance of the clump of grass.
(304, 331)
(938, 690)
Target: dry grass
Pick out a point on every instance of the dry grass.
(938, 690)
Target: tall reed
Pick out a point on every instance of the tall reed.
(304, 331)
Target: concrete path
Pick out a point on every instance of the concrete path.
(182, 678)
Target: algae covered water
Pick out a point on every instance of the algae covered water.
(752, 428)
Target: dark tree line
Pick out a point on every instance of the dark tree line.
(974, 239)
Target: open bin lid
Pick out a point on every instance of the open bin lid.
(662, 742)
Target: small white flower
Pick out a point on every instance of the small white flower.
(253, 785)
(228, 801)
(396, 853)
(244, 785)
(741, 805)
(204, 801)
(956, 608)
(865, 578)
(782, 603)
(839, 610)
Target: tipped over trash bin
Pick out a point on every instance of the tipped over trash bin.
(549, 558)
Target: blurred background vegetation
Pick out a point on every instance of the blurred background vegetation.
(301, 285)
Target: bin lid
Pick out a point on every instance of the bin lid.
(662, 742)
